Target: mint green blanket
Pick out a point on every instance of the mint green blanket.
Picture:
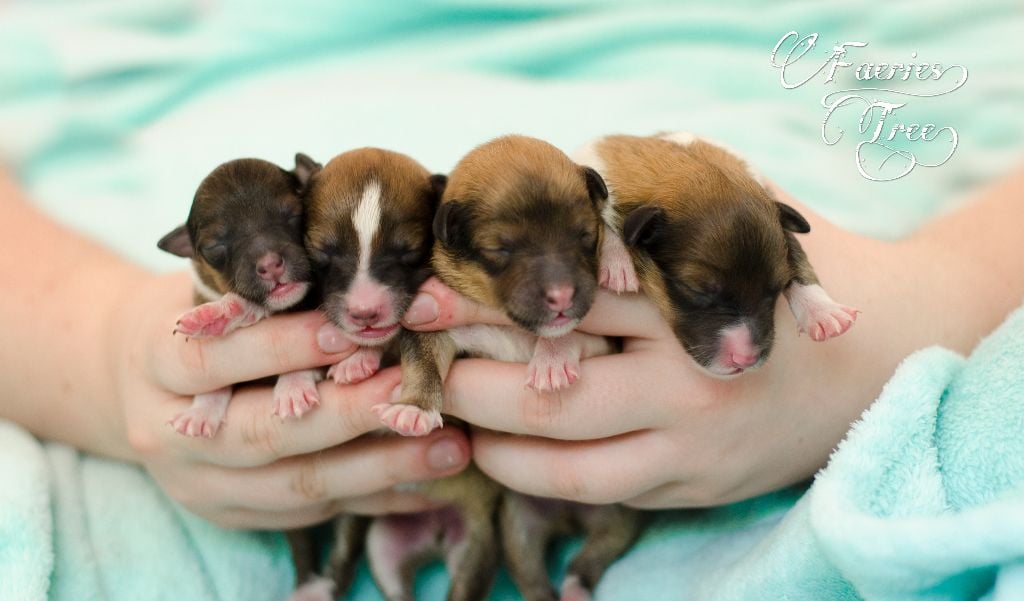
(112, 111)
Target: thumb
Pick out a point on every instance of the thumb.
(438, 307)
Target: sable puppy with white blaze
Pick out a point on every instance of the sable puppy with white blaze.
(244, 236)
(710, 245)
(369, 236)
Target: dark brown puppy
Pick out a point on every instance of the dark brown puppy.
(710, 245)
(244, 235)
(518, 229)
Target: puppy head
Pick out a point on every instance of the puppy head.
(244, 233)
(518, 228)
(369, 235)
(720, 271)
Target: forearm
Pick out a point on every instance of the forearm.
(57, 314)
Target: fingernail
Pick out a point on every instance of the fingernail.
(445, 454)
(331, 340)
(423, 310)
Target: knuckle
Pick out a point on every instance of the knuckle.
(308, 480)
(261, 432)
(566, 481)
(541, 416)
(144, 442)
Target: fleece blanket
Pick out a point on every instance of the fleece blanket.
(111, 111)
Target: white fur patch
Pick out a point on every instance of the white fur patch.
(504, 343)
(588, 156)
(366, 220)
(683, 138)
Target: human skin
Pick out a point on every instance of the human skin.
(646, 428)
(89, 360)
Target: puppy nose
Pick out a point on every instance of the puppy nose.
(364, 316)
(270, 266)
(742, 360)
(559, 297)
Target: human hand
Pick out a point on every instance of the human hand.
(649, 429)
(261, 471)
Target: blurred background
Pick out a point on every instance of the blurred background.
(112, 111)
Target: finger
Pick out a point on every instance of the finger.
(378, 504)
(277, 345)
(438, 307)
(594, 471)
(363, 467)
(606, 401)
(627, 315)
(251, 435)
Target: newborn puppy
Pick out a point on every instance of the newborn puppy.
(709, 244)
(517, 229)
(244, 237)
(368, 233)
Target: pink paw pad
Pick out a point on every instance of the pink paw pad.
(408, 420)
(357, 367)
(208, 319)
(619, 277)
(829, 322)
(552, 373)
(293, 398)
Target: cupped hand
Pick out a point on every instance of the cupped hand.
(647, 427)
(260, 471)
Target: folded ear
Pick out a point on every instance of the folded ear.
(450, 224)
(438, 182)
(305, 169)
(791, 219)
(177, 242)
(595, 185)
(641, 225)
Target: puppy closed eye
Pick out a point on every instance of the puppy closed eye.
(412, 257)
(215, 254)
(702, 296)
(319, 257)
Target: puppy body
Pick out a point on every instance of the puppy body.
(692, 225)
(518, 229)
(244, 237)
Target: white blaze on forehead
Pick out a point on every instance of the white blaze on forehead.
(366, 220)
(683, 138)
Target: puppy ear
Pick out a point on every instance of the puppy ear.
(449, 224)
(641, 225)
(305, 169)
(438, 182)
(177, 242)
(791, 219)
(595, 185)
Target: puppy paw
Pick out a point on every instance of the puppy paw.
(204, 417)
(295, 394)
(573, 590)
(408, 420)
(218, 317)
(318, 589)
(357, 367)
(817, 315)
(552, 372)
(617, 272)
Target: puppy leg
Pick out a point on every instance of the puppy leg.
(358, 366)
(349, 539)
(205, 415)
(471, 553)
(396, 545)
(527, 526)
(426, 358)
(610, 531)
(616, 272)
(817, 315)
(219, 317)
(295, 393)
(556, 361)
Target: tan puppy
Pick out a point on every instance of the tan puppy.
(689, 223)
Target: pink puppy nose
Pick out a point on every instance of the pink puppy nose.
(364, 316)
(742, 360)
(559, 297)
(270, 267)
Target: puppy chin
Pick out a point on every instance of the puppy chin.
(550, 330)
(725, 371)
(286, 295)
